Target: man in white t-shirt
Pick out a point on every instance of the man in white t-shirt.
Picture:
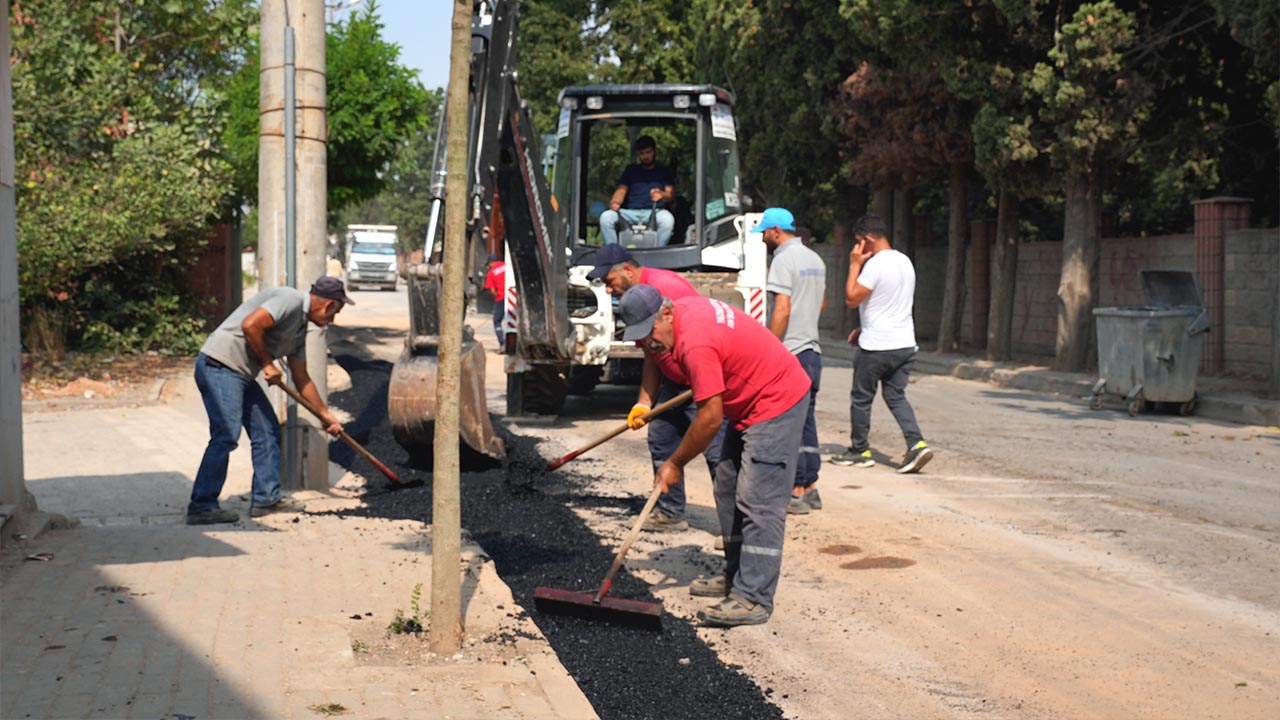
(882, 284)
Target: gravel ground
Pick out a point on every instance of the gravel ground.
(526, 522)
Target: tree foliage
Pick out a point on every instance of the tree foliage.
(117, 122)
(374, 104)
(405, 201)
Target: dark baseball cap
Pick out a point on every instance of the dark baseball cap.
(637, 308)
(331, 288)
(606, 257)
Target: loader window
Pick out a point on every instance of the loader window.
(723, 193)
(608, 152)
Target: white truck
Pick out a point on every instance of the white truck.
(371, 256)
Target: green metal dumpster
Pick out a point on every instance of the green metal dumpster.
(1151, 353)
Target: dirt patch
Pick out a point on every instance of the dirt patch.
(885, 562)
(82, 380)
(372, 644)
(840, 550)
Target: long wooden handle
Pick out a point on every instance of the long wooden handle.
(626, 544)
(677, 400)
(297, 396)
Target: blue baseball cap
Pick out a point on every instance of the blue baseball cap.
(637, 308)
(776, 217)
(606, 257)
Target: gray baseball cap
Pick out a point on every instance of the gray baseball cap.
(637, 308)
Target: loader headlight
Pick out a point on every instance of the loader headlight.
(680, 102)
(707, 99)
(595, 102)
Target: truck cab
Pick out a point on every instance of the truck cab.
(371, 258)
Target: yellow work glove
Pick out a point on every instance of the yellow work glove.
(635, 418)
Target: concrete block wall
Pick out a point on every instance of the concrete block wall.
(837, 262)
(1252, 295)
(1250, 301)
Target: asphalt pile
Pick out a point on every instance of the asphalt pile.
(524, 520)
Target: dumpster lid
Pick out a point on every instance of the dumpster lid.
(1171, 288)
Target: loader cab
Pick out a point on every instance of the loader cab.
(696, 138)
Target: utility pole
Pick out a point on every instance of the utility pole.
(446, 507)
(292, 203)
(13, 489)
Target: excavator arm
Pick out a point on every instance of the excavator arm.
(503, 157)
(506, 157)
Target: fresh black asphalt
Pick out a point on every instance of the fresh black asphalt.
(524, 520)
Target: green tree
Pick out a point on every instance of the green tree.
(405, 201)
(374, 104)
(785, 60)
(118, 163)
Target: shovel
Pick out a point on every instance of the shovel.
(350, 440)
(677, 400)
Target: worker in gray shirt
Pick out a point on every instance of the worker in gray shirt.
(797, 286)
(270, 325)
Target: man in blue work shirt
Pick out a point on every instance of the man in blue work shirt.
(645, 188)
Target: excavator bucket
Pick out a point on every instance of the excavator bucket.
(411, 395)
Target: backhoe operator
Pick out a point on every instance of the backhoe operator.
(645, 188)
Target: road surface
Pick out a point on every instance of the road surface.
(1051, 562)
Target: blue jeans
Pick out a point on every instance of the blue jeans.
(234, 401)
(665, 434)
(810, 456)
(499, 312)
(609, 220)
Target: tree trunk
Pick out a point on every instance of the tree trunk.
(446, 504)
(854, 207)
(953, 289)
(1077, 286)
(1004, 270)
(884, 208)
(902, 240)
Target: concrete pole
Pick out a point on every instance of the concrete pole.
(13, 490)
(307, 20)
(446, 508)
(1274, 387)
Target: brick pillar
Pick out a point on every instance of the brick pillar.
(982, 233)
(1215, 217)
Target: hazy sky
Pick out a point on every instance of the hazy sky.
(421, 29)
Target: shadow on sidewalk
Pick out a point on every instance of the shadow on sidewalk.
(94, 631)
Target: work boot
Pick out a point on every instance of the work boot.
(213, 516)
(659, 521)
(733, 611)
(812, 498)
(284, 504)
(715, 586)
(798, 506)
(917, 457)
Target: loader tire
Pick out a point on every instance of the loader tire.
(541, 391)
(584, 378)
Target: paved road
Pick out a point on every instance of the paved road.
(1052, 562)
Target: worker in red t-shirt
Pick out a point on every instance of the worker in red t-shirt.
(495, 281)
(740, 371)
(661, 380)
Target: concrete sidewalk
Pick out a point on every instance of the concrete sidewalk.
(1216, 398)
(137, 615)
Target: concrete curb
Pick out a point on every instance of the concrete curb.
(1229, 407)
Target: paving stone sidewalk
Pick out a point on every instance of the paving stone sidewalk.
(139, 616)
